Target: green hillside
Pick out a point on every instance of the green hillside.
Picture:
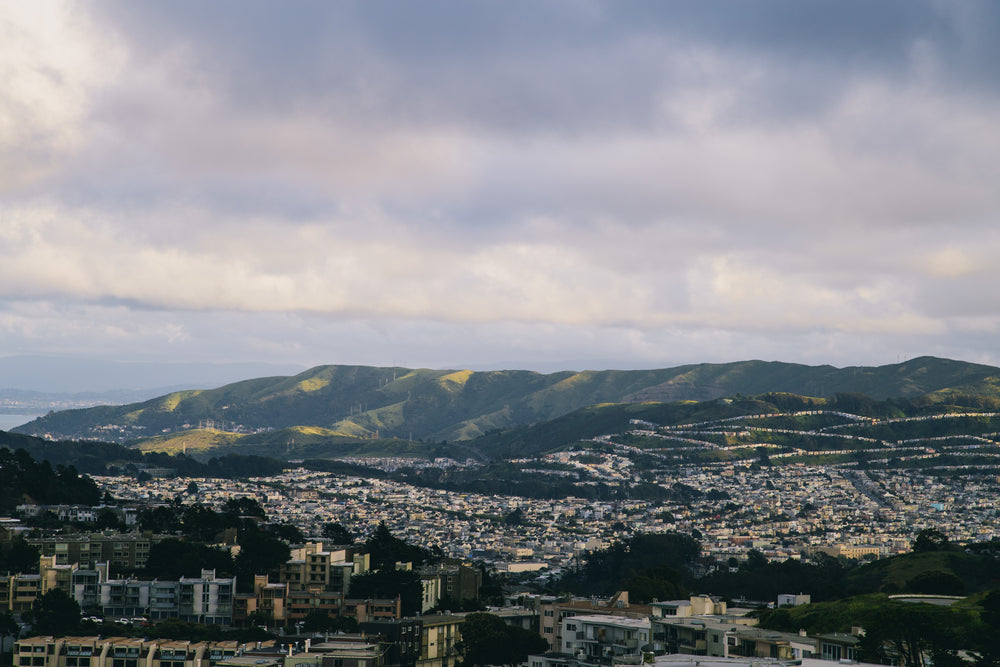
(435, 405)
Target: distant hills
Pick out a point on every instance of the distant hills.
(345, 404)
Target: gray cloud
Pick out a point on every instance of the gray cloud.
(469, 182)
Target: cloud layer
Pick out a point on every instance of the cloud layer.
(476, 183)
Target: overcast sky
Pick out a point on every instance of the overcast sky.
(484, 184)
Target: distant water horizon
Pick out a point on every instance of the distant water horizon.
(8, 421)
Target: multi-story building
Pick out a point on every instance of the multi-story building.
(303, 602)
(19, 591)
(715, 637)
(312, 567)
(373, 609)
(398, 639)
(439, 634)
(206, 599)
(696, 605)
(552, 612)
(55, 576)
(838, 646)
(122, 652)
(85, 586)
(605, 637)
(125, 598)
(454, 581)
(125, 552)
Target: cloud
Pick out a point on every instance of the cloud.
(675, 179)
(52, 58)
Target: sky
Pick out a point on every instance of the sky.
(494, 185)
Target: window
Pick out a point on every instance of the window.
(548, 631)
(549, 613)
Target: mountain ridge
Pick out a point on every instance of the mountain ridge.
(456, 404)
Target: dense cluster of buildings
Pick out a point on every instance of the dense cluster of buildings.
(316, 577)
(786, 511)
(782, 511)
(425, 642)
(586, 632)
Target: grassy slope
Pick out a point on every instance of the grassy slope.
(892, 574)
(439, 405)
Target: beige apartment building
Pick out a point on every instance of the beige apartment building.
(121, 652)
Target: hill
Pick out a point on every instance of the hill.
(351, 402)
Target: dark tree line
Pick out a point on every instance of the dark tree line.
(22, 479)
(648, 566)
(99, 458)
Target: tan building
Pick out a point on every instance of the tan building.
(56, 576)
(121, 652)
(852, 550)
(552, 613)
(125, 552)
(439, 635)
(19, 591)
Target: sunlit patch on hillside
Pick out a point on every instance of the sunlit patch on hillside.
(456, 380)
(313, 384)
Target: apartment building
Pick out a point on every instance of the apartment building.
(552, 613)
(723, 638)
(605, 637)
(124, 552)
(206, 599)
(122, 652)
(454, 581)
(696, 605)
(19, 591)
(277, 605)
(439, 633)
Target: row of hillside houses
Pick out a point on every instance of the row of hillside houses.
(593, 632)
(429, 641)
(599, 634)
(315, 577)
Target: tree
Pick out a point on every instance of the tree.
(55, 613)
(106, 518)
(515, 517)
(602, 571)
(287, 531)
(337, 533)
(18, 556)
(202, 523)
(317, 620)
(931, 539)
(259, 554)
(245, 506)
(387, 584)
(487, 640)
(172, 559)
(912, 633)
(162, 519)
(755, 560)
(386, 550)
(936, 582)
(660, 583)
(8, 628)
